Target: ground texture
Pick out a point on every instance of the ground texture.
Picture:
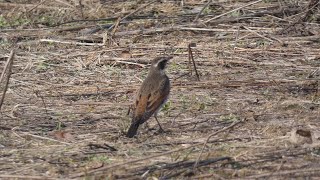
(254, 113)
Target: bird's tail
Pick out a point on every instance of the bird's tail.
(132, 130)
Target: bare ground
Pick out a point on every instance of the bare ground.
(65, 110)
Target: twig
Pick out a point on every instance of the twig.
(313, 73)
(204, 7)
(236, 9)
(43, 102)
(135, 11)
(36, 6)
(102, 146)
(186, 164)
(129, 162)
(254, 32)
(282, 173)
(44, 138)
(314, 38)
(8, 69)
(70, 42)
(115, 27)
(185, 74)
(213, 134)
(81, 9)
(236, 40)
(32, 6)
(191, 58)
(211, 176)
(311, 10)
(194, 142)
(152, 156)
(182, 28)
(5, 128)
(73, 28)
(119, 21)
(219, 30)
(65, 3)
(179, 28)
(10, 176)
(131, 63)
(270, 38)
(171, 176)
(132, 161)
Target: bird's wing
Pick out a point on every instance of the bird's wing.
(156, 99)
(140, 107)
(155, 102)
(149, 103)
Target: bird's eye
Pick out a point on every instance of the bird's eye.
(162, 64)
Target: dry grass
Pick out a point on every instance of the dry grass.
(65, 110)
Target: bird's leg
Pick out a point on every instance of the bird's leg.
(161, 129)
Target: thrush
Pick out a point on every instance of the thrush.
(152, 95)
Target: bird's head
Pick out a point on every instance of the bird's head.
(159, 63)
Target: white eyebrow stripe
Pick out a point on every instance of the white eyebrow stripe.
(156, 65)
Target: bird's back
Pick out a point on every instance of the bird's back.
(153, 94)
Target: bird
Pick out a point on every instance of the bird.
(151, 96)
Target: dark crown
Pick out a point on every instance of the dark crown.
(160, 62)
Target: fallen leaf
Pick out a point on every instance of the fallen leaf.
(125, 54)
(62, 135)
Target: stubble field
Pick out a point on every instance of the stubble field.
(253, 113)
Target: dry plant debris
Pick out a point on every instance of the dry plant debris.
(78, 63)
